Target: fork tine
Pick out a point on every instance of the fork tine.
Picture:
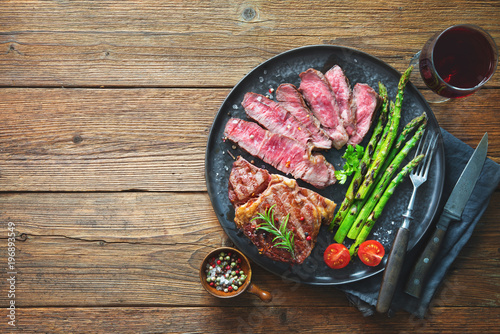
(426, 144)
(429, 154)
(420, 147)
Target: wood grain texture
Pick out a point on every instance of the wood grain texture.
(183, 43)
(105, 110)
(249, 320)
(145, 249)
(147, 139)
(105, 140)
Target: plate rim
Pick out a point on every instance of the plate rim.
(439, 151)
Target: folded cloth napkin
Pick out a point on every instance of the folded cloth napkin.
(364, 293)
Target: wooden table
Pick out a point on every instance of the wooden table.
(105, 109)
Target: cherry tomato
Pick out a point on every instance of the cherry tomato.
(371, 252)
(336, 256)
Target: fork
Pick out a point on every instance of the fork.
(398, 251)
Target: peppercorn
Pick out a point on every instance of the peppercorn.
(224, 272)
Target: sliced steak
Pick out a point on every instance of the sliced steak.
(283, 153)
(365, 102)
(246, 181)
(290, 98)
(343, 94)
(319, 96)
(307, 210)
(274, 117)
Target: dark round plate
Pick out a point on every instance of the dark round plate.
(285, 68)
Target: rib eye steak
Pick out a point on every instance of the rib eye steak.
(253, 190)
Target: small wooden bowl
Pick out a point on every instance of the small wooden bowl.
(245, 266)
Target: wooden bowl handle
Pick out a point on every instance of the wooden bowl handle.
(263, 295)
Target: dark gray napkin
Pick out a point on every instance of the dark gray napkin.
(364, 294)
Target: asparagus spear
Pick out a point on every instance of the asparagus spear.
(355, 204)
(359, 212)
(350, 207)
(386, 132)
(388, 141)
(365, 160)
(377, 211)
(412, 125)
(349, 219)
(383, 182)
(372, 144)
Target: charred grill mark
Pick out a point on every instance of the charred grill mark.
(355, 187)
(364, 168)
(371, 148)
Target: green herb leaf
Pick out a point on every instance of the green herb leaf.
(286, 238)
(352, 157)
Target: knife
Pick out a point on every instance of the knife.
(452, 212)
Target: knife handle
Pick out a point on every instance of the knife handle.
(392, 270)
(417, 277)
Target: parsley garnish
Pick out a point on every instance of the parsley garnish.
(352, 157)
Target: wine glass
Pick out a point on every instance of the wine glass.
(456, 62)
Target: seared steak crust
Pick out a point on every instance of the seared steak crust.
(246, 181)
(307, 210)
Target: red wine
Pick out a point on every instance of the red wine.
(458, 61)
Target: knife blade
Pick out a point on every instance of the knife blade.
(452, 212)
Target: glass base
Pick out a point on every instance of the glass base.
(416, 79)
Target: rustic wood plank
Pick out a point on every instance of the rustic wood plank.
(183, 43)
(91, 258)
(71, 140)
(256, 320)
(159, 218)
(145, 248)
(147, 139)
(124, 217)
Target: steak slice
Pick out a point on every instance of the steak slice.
(246, 181)
(290, 98)
(274, 117)
(307, 210)
(283, 153)
(365, 102)
(343, 94)
(319, 96)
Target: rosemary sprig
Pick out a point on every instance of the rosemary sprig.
(286, 237)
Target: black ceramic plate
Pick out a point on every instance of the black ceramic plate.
(285, 68)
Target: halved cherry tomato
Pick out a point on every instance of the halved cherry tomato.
(371, 252)
(336, 256)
